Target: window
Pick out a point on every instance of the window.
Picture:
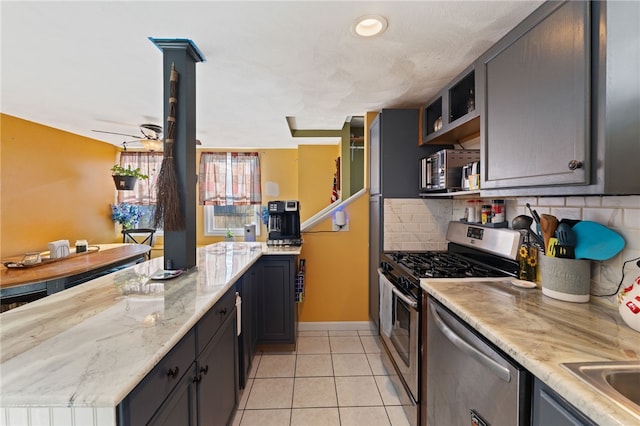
(144, 193)
(230, 191)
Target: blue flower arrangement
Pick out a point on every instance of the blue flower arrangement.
(128, 215)
(265, 216)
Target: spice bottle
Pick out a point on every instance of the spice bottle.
(497, 211)
(486, 213)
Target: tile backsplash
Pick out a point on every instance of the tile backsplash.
(421, 224)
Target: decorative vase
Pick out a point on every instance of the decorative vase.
(124, 183)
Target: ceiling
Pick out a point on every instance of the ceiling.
(83, 66)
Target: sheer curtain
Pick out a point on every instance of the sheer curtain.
(144, 193)
(230, 179)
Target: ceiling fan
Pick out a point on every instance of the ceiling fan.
(151, 138)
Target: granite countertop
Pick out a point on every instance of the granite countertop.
(90, 345)
(540, 333)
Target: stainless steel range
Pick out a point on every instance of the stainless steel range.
(473, 252)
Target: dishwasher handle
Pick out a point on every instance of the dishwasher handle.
(499, 370)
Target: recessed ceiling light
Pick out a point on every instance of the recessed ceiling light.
(369, 25)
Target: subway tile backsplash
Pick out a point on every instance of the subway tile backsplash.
(421, 224)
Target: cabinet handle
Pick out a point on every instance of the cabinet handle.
(197, 379)
(575, 164)
(205, 369)
(223, 311)
(173, 372)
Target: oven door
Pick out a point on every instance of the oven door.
(399, 322)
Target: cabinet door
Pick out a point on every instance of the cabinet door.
(247, 338)
(375, 248)
(400, 153)
(374, 156)
(217, 376)
(536, 101)
(179, 409)
(276, 300)
(550, 409)
(149, 395)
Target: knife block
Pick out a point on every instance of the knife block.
(565, 279)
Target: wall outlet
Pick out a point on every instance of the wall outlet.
(335, 227)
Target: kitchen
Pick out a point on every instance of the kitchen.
(431, 225)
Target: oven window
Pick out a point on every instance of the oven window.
(401, 330)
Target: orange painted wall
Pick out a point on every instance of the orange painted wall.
(336, 283)
(54, 185)
(317, 165)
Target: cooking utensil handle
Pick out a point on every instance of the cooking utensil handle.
(499, 370)
(404, 298)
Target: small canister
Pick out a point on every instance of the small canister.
(486, 213)
(81, 246)
(497, 211)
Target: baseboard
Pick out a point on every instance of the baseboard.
(337, 325)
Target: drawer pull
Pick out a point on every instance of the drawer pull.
(197, 379)
(173, 372)
(205, 369)
(223, 311)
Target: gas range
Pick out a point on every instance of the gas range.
(472, 252)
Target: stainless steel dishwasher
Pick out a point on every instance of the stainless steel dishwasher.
(469, 381)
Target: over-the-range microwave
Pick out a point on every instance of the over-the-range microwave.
(442, 171)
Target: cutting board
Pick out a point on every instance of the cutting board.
(596, 242)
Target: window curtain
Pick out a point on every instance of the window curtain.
(144, 193)
(230, 179)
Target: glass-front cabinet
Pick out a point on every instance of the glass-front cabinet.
(452, 116)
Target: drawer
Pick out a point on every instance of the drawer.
(147, 397)
(212, 320)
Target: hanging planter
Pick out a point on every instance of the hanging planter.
(125, 178)
(124, 182)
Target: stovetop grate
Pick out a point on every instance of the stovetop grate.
(441, 264)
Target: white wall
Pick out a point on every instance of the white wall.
(417, 224)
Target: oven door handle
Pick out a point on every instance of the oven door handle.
(412, 303)
(499, 370)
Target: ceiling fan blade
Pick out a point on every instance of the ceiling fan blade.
(115, 133)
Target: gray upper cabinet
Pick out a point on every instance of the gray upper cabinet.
(536, 102)
(560, 100)
(451, 116)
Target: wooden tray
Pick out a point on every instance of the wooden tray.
(46, 260)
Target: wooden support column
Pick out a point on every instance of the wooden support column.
(180, 246)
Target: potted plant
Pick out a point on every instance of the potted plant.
(125, 178)
(228, 236)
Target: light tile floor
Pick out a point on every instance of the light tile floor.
(334, 378)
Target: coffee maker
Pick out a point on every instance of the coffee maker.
(284, 223)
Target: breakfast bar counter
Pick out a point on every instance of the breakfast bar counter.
(78, 353)
(43, 277)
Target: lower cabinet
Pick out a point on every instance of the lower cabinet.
(179, 408)
(196, 383)
(276, 299)
(248, 337)
(217, 376)
(549, 408)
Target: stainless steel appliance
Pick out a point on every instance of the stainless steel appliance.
(284, 223)
(442, 171)
(473, 251)
(489, 388)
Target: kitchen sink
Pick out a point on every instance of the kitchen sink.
(618, 380)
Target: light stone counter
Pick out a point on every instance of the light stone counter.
(72, 357)
(540, 333)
